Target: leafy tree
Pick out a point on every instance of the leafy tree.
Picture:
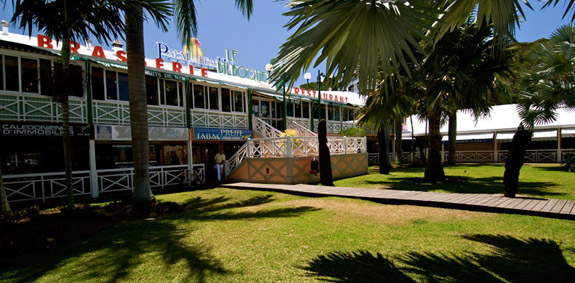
(64, 21)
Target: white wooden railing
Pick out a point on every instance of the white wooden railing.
(288, 147)
(265, 129)
(118, 113)
(44, 186)
(487, 156)
(216, 119)
(30, 107)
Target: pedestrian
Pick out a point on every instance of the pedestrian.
(220, 162)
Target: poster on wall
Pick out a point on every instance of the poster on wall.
(221, 134)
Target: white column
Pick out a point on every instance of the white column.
(94, 188)
(559, 158)
(442, 151)
(190, 157)
(495, 153)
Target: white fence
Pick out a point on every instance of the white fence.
(24, 187)
(487, 156)
(293, 147)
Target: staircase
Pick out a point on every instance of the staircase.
(301, 130)
(276, 145)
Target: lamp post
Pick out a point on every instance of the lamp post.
(319, 81)
(307, 77)
(269, 68)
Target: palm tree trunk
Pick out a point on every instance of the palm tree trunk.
(383, 139)
(65, 103)
(398, 140)
(4, 204)
(325, 173)
(434, 169)
(138, 103)
(452, 137)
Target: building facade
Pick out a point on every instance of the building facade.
(196, 106)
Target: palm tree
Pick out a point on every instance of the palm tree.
(64, 21)
(382, 35)
(550, 85)
(460, 72)
(185, 14)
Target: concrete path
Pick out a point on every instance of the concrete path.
(554, 208)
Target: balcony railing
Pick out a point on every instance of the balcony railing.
(30, 107)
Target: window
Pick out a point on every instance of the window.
(11, 68)
(98, 84)
(199, 96)
(289, 107)
(226, 100)
(239, 101)
(333, 113)
(111, 85)
(38, 76)
(305, 109)
(297, 112)
(171, 93)
(29, 75)
(152, 90)
(123, 86)
(213, 98)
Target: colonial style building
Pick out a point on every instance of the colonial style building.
(196, 106)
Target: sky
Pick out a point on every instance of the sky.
(222, 26)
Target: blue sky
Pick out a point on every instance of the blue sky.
(222, 26)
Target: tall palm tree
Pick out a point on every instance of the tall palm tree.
(66, 20)
(185, 14)
(460, 72)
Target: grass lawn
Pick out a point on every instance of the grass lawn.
(548, 181)
(253, 236)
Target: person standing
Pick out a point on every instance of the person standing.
(220, 162)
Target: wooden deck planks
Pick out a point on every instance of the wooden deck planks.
(497, 201)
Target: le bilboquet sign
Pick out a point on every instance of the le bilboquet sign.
(227, 65)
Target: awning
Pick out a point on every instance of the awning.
(278, 96)
(568, 133)
(476, 138)
(541, 136)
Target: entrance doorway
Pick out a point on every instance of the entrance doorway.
(268, 110)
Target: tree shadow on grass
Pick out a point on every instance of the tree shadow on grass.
(467, 185)
(119, 252)
(511, 259)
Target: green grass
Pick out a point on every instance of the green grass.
(548, 181)
(253, 236)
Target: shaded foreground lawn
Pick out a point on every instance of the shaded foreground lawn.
(253, 236)
(548, 181)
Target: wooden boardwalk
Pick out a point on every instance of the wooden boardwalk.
(555, 208)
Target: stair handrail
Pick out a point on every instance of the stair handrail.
(265, 129)
(301, 130)
(235, 160)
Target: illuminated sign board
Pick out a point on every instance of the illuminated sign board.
(221, 134)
